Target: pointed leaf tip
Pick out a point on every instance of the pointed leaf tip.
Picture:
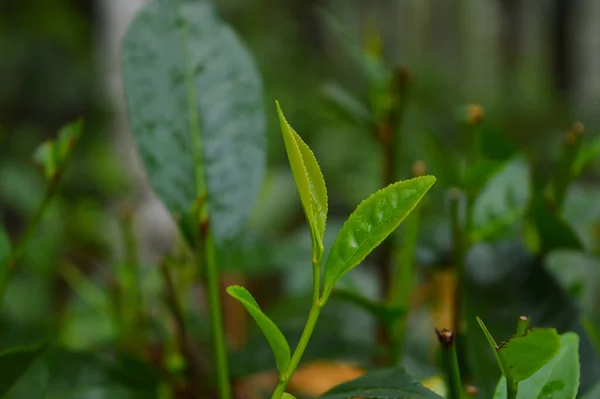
(370, 223)
(309, 183)
(272, 333)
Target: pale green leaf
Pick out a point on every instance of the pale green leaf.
(558, 379)
(386, 383)
(274, 336)
(194, 99)
(372, 221)
(288, 396)
(309, 182)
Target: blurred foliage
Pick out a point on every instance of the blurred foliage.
(528, 256)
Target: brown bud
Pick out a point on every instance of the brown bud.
(574, 133)
(419, 168)
(445, 337)
(474, 114)
(471, 390)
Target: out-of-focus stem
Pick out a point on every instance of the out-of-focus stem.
(446, 339)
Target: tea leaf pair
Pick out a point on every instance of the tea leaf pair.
(53, 155)
(372, 221)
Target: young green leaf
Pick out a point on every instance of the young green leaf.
(385, 383)
(53, 155)
(519, 357)
(194, 98)
(274, 336)
(558, 379)
(588, 153)
(309, 182)
(287, 396)
(372, 221)
(15, 362)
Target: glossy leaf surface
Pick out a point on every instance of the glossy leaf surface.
(15, 362)
(372, 221)
(309, 182)
(558, 379)
(386, 383)
(274, 336)
(194, 99)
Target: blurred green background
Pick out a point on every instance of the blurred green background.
(532, 65)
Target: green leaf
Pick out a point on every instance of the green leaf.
(68, 135)
(520, 356)
(558, 379)
(195, 107)
(309, 182)
(386, 383)
(372, 221)
(502, 203)
(288, 396)
(15, 362)
(593, 393)
(553, 231)
(349, 106)
(588, 153)
(274, 336)
(382, 312)
(53, 155)
(493, 144)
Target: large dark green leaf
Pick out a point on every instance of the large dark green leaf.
(15, 362)
(195, 107)
(388, 383)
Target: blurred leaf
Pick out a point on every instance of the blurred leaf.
(478, 175)
(349, 106)
(502, 202)
(309, 183)
(276, 340)
(370, 66)
(186, 74)
(370, 223)
(386, 383)
(588, 153)
(287, 396)
(593, 332)
(593, 393)
(563, 175)
(53, 155)
(553, 231)
(504, 279)
(558, 379)
(493, 144)
(5, 248)
(15, 362)
(382, 312)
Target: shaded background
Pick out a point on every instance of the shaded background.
(531, 64)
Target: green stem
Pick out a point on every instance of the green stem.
(130, 287)
(450, 363)
(512, 389)
(313, 316)
(522, 324)
(402, 285)
(21, 244)
(216, 318)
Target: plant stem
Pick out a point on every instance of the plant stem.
(450, 363)
(313, 316)
(18, 248)
(216, 318)
(522, 324)
(185, 344)
(512, 389)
